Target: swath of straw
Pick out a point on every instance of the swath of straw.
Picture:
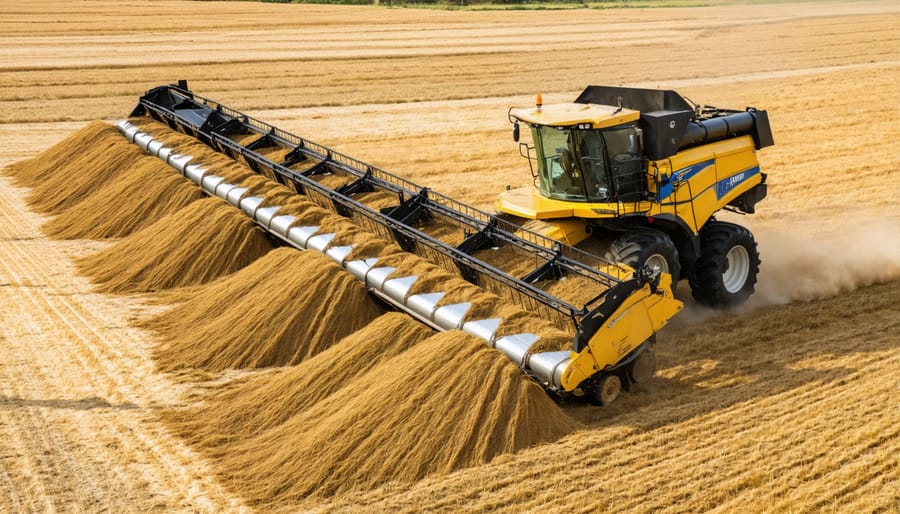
(140, 196)
(268, 400)
(447, 403)
(282, 309)
(197, 244)
(88, 169)
(31, 172)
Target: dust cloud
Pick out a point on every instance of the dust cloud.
(797, 267)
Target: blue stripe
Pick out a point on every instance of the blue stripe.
(682, 174)
(724, 186)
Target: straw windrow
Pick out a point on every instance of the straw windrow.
(445, 404)
(195, 245)
(140, 196)
(31, 172)
(270, 399)
(281, 310)
(89, 168)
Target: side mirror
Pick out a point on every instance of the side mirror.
(516, 131)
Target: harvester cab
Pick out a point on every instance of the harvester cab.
(643, 172)
(571, 144)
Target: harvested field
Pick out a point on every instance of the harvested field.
(789, 404)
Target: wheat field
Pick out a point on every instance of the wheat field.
(789, 404)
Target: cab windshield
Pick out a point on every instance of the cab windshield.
(587, 165)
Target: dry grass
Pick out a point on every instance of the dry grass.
(285, 307)
(195, 245)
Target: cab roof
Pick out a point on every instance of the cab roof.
(574, 114)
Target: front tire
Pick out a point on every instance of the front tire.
(725, 274)
(647, 247)
(606, 389)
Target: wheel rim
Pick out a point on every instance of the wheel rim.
(657, 261)
(609, 389)
(737, 269)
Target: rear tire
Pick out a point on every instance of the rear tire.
(725, 274)
(643, 367)
(647, 247)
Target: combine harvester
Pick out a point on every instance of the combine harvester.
(643, 172)
(614, 332)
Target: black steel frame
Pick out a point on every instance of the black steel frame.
(212, 123)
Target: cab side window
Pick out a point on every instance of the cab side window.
(594, 166)
(623, 149)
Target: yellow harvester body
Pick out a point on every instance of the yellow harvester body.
(647, 175)
(643, 313)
